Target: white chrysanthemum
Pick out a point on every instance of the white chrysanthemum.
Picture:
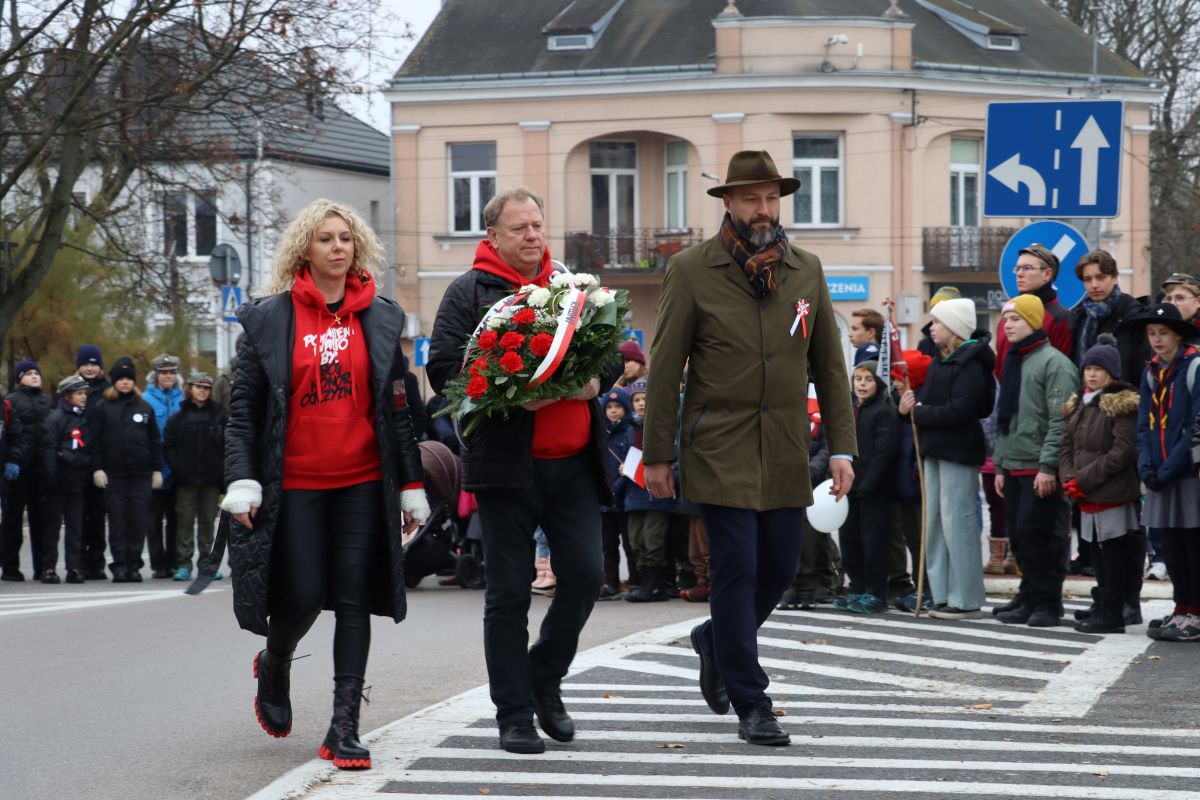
(527, 288)
(497, 321)
(582, 280)
(561, 279)
(601, 298)
(538, 297)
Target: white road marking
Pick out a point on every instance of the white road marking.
(920, 641)
(76, 603)
(904, 622)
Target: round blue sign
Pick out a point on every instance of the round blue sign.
(1061, 239)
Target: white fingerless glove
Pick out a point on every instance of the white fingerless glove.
(241, 496)
(100, 478)
(414, 503)
(155, 480)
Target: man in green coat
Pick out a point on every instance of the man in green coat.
(750, 317)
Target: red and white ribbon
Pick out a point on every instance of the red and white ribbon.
(802, 310)
(496, 308)
(568, 321)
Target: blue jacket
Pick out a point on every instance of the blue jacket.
(1165, 451)
(165, 404)
(620, 437)
(630, 496)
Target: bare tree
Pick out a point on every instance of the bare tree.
(1162, 39)
(119, 96)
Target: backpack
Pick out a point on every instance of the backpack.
(1193, 367)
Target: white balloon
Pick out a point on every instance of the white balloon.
(826, 514)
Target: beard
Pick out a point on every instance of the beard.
(758, 237)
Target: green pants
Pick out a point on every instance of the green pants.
(650, 534)
(196, 517)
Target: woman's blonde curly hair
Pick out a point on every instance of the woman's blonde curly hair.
(289, 258)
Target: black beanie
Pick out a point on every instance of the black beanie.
(1104, 354)
(123, 368)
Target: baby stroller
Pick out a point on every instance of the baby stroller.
(441, 543)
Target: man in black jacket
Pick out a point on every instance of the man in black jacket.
(1103, 308)
(25, 494)
(89, 363)
(544, 465)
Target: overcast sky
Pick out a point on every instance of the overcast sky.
(373, 108)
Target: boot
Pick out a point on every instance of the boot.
(1109, 616)
(652, 589)
(272, 704)
(342, 746)
(995, 564)
(544, 583)
(1092, 610)
(1010, 564)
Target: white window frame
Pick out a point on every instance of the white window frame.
(1003, 42)
(191, 198)
(814, 166)
(958, 172)
(677, 172)
(477, 202)
(571, 41)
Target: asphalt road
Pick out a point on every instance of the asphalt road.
(139, 692)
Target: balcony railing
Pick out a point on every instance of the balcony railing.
(963, 249)
(639, 249)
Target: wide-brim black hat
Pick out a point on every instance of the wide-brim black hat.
(1163, 314)
(749, 167)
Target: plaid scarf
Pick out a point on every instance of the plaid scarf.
(759, 265)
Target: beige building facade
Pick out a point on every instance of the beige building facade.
(887, 142)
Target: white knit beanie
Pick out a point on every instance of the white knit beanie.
(958, 315)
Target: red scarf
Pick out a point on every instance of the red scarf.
(489, 261)
(1163, 396)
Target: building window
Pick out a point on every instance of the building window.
(472, 184)
(613, 167)
(676, 193)
(1003, 43)
(817, 164)
(189, 223)
(964, 183)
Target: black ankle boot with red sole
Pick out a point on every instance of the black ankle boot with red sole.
(272, 703)
(341, 745)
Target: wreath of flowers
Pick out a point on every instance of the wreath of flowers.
(518, 335)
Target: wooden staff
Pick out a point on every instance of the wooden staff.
(912, 418)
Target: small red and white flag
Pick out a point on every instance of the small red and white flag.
(633, 467)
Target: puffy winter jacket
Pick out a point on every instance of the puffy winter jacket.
(959, 391)
(194, 445)
(878, 439)
(125, 436)
(1099, 446)
(165, 403)
(31, 407)
(65, 450)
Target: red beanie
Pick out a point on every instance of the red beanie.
(918, 365)
(631, 352)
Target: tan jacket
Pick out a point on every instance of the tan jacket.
(744, 430)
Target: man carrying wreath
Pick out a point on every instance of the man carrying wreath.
(542, 465)
(750, 316)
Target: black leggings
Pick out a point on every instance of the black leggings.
(1183, 564)
(322, 556)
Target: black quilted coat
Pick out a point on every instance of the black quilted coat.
(254, 444)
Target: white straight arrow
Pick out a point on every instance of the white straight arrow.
(1012, 173)
(1089, 143)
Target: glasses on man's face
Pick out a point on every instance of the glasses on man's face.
(1020, 268)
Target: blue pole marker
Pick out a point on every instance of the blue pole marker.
(1062, 240)
(421, 352)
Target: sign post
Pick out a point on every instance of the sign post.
(1062, 240)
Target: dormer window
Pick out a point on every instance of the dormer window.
(981, 27)
(1003, 43)
(573, 42)
(581, 24)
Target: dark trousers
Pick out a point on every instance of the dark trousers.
(1182, 556)
(127, 500)
(819, 573)
(753, 556)
(24, 497)
(161, 535)
(995, 504)
(1115, 581)
(326, 545)
(93, 529)
(866, 543)
(64, 508)
(1038, 540)
(615, 537)
(905, 546)
(563, 499)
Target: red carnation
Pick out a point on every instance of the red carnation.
(512, 340)
(539, 345)
(525, 316)
(478, 365)
(477, 387)
(510, 362)
(487, 340)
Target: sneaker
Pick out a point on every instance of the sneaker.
(909, 602)
(789, 600)
(74, 576)
(610, 592)
(182, 574)
(218, 576)
(950, 612)
(1157, 571)
(868, 604)
(842, 603)
(806, 603)
(1181, 628)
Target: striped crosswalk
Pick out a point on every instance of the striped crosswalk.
(877, 707)
(66, 599)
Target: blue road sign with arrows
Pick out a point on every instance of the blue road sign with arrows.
(1053, 159)
(1062, 240)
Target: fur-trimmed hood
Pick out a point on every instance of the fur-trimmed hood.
(1118, 399)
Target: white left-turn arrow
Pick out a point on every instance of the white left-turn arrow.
(1012, 173)
(1089, 143)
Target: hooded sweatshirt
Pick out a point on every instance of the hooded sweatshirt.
(330, 440)
(563, 428)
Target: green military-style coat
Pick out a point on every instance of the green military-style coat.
(743, 436)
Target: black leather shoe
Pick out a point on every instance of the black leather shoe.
(710, 680)
(133, 576)
(14, 575)
(95, 575)
(1043, 617)
(74, 576)
(520, 737)
(1133, 613)
(1004, 607)
(161, 573)
(760, 726)
(1095, 624)
(552, 717)
(120, 576)
(1017, 615)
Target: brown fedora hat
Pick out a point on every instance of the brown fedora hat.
(753, 166)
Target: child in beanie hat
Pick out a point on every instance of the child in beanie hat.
(1104, 354)
(1029, 308)
(958, 315)
(123, 368)
(23, 366)
(88, 354)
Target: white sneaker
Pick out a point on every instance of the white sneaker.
(1157, 571)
